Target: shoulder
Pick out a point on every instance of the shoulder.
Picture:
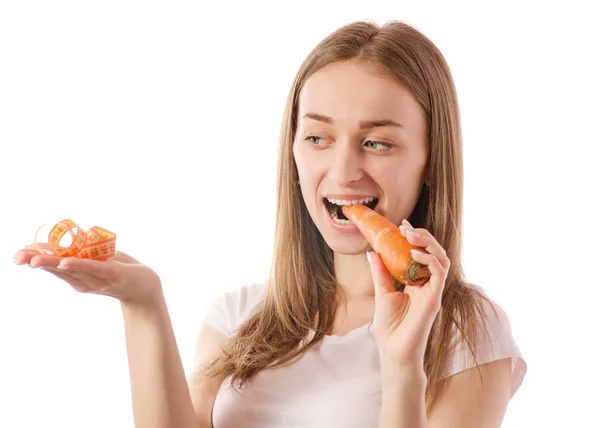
(234, 307)
(494, 341)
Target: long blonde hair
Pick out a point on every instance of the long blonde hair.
(302, 290)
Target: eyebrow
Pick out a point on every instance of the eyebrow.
(364, 124)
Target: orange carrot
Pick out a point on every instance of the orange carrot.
(387, 240)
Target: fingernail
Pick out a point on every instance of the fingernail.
(369, 256)
(61, 267)
(412, 250)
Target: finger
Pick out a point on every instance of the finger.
(22, 257)
(382, 279)
(84, 282)
(39, 248)
(39, 260)
(426, 241)
(438, 273)
(104, 270)
(407, 224)
(76, 283)
(95, 269)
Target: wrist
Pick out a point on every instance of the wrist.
(150, 305)
(403, 402)
(396, 375)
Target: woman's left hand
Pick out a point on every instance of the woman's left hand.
(403, 320)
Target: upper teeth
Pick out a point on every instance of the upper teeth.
(352, 202)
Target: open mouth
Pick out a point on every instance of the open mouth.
(335, 207)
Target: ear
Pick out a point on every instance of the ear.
(427, 174)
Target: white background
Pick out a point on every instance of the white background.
(160, 120)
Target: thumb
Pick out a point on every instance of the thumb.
(382, 279)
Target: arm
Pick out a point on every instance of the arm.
(403, 397)
(467, 402)
(402, 324)
(202, 390)
(160, 394)
(473, 402)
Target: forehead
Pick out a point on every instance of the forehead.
(356, 91)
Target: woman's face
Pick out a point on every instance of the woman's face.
(360, 136)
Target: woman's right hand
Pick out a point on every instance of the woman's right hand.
(121, 276)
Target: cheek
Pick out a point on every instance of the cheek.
(308, 168)
(407, 172)
(399, 181)
(309, 180)
(391, 180)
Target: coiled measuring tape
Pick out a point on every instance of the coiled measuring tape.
(96, 243)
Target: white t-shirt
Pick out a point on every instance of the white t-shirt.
(334, 384)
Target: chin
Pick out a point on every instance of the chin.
(349, 250)
(345, 244)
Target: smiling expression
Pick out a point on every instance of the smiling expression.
(361, 135)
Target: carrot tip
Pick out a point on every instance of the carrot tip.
(417, 273)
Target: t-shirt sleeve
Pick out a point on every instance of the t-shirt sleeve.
(500, 344)
(230, 310)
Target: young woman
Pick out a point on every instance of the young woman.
(331, 339)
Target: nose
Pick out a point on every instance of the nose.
(346, 166)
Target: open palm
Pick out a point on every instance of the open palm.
(121, 276)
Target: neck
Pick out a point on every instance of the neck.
(353, 275)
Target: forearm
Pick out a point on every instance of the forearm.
(403, 397)
(159, 390)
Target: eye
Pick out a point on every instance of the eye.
(378, 145)
(314, 140)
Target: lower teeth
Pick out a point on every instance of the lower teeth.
(339, 220)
